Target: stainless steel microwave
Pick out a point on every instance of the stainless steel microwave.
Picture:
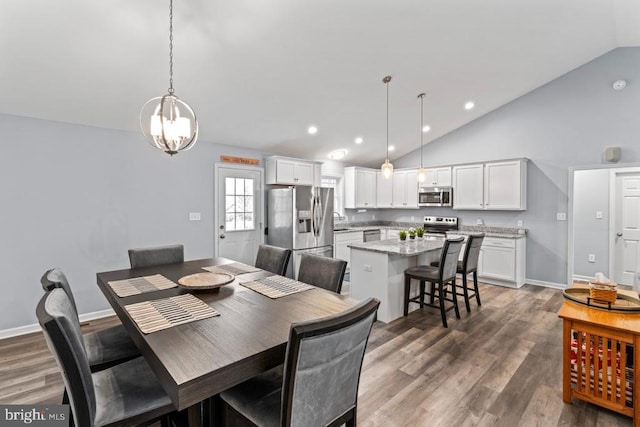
(435, 196)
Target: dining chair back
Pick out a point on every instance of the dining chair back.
(148, 257)
(59, 322)
(318, 383)
(323, 272)
(472, 253)
(104, 347)
(273, 259)
(125, 394)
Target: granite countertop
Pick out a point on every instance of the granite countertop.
(406, 248)
(489, 231)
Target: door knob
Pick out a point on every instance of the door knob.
(222, 236)
(619, 234)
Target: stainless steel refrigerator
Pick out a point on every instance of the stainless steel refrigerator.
(301, 219)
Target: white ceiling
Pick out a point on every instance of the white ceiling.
(259, 72)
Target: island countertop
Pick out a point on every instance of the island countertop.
(407, 248)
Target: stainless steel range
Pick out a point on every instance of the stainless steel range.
(439, 225)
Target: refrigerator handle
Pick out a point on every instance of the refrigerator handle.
(317, 215)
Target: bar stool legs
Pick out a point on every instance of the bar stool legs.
(475, 287)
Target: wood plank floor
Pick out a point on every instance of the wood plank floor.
(500, 365)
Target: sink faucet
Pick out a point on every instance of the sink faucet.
(337, 215)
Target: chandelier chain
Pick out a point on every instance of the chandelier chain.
(170, 47)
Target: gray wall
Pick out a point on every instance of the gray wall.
(78, 197)
(567, 122)
(591, 235)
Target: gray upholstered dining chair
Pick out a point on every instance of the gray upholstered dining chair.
(440, 276)
(319, 385)
(273, 259)
(148, 257)
(105, 347)
(323, 272)
(125, 394)
(469, 265)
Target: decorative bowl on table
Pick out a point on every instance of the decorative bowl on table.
(205, 281)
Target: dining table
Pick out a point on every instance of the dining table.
(196, 361)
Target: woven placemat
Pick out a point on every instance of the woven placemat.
(277, 286)
(140, 285)
(156, 315)
(234, 268)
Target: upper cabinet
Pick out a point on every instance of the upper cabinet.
(437, 177)
(491, 186)
(359, 188)
(405, 189)
(384, 191)
(286, 171)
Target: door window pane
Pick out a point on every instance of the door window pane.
(239, 204)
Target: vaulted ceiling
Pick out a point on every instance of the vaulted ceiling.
(258, 72)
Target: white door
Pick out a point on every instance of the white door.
(239, 213)
(627, 228)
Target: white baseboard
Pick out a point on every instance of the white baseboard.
(35, 327)
(545, 284)
(583, 278)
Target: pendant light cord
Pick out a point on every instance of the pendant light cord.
(421, 96)
(170, 47)
(387, 82)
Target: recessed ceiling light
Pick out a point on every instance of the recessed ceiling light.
(312, 130)
(426, 128)
(391, 148)
(359, 140)
(469, 105)
(337, 154)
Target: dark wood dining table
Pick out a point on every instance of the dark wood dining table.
(198, 360)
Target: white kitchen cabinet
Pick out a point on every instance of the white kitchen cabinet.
(505, 185)
(437, 177)
(384, 191)
(502, 261)
(341, 242)
(491, 186)
(359, 188)
(405, 189)
(287, 171)
(468, 187)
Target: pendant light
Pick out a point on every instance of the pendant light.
(422, 173)
(168, 123)
(387, 168)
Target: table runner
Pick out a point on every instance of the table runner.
(140, 285)
(156, 315)
(276, 286)
(234, 268)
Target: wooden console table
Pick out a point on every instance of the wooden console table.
(601, 358)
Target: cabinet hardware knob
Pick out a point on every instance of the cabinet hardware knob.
(619, 234)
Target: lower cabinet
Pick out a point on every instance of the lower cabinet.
(341, 242)
(502, 261)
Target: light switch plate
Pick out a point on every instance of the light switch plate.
(367, 267)
(592, 258)
(519, 223)
(598, 214)
(194, 216)
(561, 216)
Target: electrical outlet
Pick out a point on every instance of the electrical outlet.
(194, 216)
(592, 258)
(367, 267)
(373, 217)
(479, 221)
(413, 218)
(561, 216)
(598, 214)
(519, 223)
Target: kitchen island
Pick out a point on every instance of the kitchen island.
(377, 270)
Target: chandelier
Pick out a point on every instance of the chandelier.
(168, 123)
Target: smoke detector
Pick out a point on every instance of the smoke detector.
(619, 85)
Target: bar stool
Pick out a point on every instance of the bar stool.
(469, 264)
(442, 275)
